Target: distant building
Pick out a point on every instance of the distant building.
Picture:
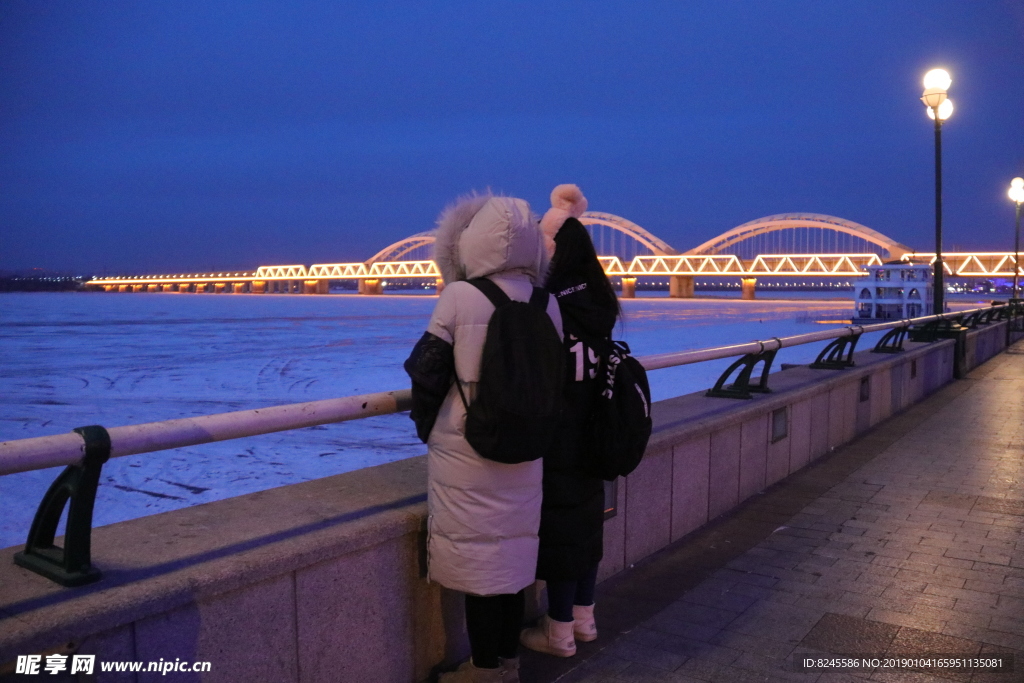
(894, 291)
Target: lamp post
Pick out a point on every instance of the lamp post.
(1016, 193)
(939, 108)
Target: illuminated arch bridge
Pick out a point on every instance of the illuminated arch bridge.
(783, 245)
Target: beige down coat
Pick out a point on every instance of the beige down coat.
(483, 515)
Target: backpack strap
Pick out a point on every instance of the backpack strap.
(539, 298)
(497, 297)
(492, 291)
(458, 385)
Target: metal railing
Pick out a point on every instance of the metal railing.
(66, 449)
(86, 449)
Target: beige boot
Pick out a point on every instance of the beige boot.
(550, 636)
(468, 673)
(510, 670)
(583, 625)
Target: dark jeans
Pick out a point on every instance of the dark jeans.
(493, 623)
(562, 595)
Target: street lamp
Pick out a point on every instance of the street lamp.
(940, 108)
(1016, 193)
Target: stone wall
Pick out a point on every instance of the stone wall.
(324, 580)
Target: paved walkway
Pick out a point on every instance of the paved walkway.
(906, 542)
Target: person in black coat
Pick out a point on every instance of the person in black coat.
(572, 512)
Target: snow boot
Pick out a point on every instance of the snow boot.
(509, 670)
(468, 673)
(550, 636)
(583, 625)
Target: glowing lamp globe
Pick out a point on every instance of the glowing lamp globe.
(945, 110)
(938, 79)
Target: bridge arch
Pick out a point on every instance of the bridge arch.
(657, 246)
(395, 251)
(786, 221)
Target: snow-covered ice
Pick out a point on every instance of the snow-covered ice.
(75, 359)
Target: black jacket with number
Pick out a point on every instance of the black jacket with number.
(572, 513)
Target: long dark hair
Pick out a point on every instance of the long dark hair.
(575, 262)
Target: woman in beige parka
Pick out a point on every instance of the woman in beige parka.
(483, 515)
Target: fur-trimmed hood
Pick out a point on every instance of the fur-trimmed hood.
(481, 234)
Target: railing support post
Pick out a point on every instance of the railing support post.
(72, 564)
(741, 388)
(838, 354)
(891, 341)
(942, 328)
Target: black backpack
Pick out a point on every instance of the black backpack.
(619, 426)
(518, 404)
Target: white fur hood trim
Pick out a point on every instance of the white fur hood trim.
(481, 234)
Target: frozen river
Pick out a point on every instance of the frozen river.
(75, 359)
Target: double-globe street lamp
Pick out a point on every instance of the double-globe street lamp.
(940, 108)
(1016, 193)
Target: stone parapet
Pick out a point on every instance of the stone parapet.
(324, 580)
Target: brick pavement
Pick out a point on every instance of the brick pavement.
(906, 541)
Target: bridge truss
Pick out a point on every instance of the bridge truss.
(965, 265)
(706, 260)
(975, 264)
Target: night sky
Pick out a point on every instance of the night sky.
(169, 136)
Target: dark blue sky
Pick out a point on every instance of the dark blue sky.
(158, 136)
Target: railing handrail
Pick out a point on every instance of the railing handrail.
(667, 360)
(41, 452)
